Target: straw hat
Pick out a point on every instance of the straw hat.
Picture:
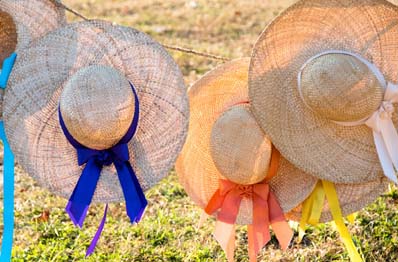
(221, 122)
(85, 72)
(319, 125)
(23, 21)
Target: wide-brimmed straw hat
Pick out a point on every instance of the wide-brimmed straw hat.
(80, 85)
(319, 73)
(225, 142)
(23, 21)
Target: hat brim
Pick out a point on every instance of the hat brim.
(316, 145)
(211, 96)
(352, 198)
(38, 78)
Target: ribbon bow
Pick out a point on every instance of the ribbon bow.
(94, 161)
(384, 133)
(266, 212)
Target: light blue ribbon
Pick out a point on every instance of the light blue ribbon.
(8, 174)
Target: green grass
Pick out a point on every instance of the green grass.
(168, 231)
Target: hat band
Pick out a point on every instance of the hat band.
(384, 133)
(94, 161)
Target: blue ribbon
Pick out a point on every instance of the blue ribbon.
(94, 160)
(6, 70)
(8, 174)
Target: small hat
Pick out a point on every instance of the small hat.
(227, 154)
(319, 85)
(96, 112)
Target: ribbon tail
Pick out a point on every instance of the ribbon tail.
(8, 212)
(224, 233)
(83, 193)
(312, 209)
(281, 227)
(333, 200)
(132, 191)
(203, 218)
(8, 64)
(97, 235)
(384, 157)
(390, 138)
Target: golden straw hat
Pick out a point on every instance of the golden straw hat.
(224, 141)
(313, 83)
(85, 72)
(23, 21)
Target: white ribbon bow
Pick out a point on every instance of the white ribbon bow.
(384, 133)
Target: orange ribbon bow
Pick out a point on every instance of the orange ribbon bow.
(266, 212)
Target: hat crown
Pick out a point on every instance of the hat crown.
(340, 87)
(239, 148)
(97, 106)
(8, 36)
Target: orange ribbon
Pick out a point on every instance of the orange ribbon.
(266, 212)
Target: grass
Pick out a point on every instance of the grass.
(169, 230)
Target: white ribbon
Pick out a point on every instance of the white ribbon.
(384, 133)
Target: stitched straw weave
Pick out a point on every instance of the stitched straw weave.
(306, 138)
(41, 74)
(217, 92)
(24, 21)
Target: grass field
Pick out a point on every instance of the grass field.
(169, 231)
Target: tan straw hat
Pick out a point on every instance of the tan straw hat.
(225, 142)
(319, 85)
(84, 74)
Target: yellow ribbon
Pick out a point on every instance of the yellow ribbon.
(312, 209)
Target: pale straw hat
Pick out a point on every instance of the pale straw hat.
(313, 83)
(23, 21)
(84, 71)
(224, 141)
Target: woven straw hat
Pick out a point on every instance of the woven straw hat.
(84, 71)
(23, 21)
(221, 122)
(334, 88)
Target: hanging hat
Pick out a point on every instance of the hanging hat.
(96, 102)
(319, 84)
(23, 21)
(227, 155)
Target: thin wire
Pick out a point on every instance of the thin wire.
(175, 48)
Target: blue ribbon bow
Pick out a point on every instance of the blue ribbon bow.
(94, 161)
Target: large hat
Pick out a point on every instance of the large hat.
(79, 87)
(23, 21)
(318, 77)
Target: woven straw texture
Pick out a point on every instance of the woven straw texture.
(352, 198)
(211, 96)
(315, 144)
(26, 21)
(97, 127)
(39, 77)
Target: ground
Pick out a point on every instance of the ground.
(169, 230)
